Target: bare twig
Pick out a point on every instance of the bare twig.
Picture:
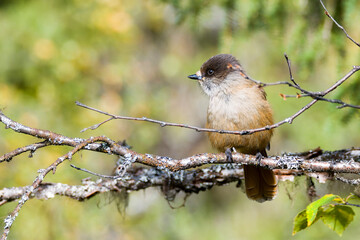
(93, 173)
(351, 204)
(346, 161)
(290, 72)
(341, 81)
(106, 145)
(42, 173)
(336, 101)
(96, 125)
(53, 138)
(338, 25)
(317, 96)
(320, 163)
(32, 148)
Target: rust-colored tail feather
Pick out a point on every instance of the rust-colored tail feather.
(260, 183)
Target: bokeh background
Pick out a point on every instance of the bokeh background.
(132, 58)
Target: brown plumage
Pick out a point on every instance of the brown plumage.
(237, 103)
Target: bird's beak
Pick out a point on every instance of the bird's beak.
(196, 76)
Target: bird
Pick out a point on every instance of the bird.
(238, 103)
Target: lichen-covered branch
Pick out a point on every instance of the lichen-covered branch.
(344, 161)
(322, 162)
(175, 175)
(139, 178)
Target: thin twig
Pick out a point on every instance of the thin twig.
(290, 72)
(318, 164)
(339, 82)
(38, 180)
(32, 148)
(338, 25)
(96, 125)
(336, 101)
(106, 145)
(94, 173)
(57, 139)
(351, 204)
(243, 132)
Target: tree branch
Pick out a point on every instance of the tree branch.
(337, 24)
(106, 145)
(32, 148)
(174, 175)
(171, 183)
(316, 97)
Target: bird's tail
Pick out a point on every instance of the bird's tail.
(260, 183)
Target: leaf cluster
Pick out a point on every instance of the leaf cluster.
(331, 209)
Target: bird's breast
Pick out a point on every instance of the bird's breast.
(241, 111)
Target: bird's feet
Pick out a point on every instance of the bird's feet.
(259, 157)
(228, 153)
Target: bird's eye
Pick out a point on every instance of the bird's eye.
(210, 72)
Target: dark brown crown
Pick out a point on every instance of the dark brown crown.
(219, 66)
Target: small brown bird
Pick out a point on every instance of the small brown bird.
(237, 103)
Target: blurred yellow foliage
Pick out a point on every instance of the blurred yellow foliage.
(44, 49)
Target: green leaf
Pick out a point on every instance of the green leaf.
(337, 217)
(312, 208)
(300, 222)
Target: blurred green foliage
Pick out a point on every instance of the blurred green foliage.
(132, 58)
